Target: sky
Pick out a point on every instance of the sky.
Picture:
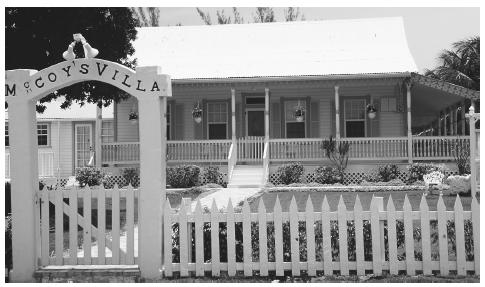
(428, 30)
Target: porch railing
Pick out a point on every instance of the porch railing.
(120, 152)
(198, 151)
(250, 149)
(45, 164)
(437, 147)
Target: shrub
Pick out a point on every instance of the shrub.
(8, 243)
(91, 176)
(212, 174)
(388, 172)
(338, 154)
(371, 178)
(131, 176)
(417, 170)
(290, 173)
(183, 176)
(461, 153)
(327, 175)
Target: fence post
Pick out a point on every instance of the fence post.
(23, 174)
(380, 206)
(473, 147)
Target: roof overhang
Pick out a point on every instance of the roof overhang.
(444, 86)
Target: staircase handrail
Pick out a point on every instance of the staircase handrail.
(265, 163)
(231, 161)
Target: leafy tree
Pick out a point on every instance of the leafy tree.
(147, 16)
(264, 15)
(292, 14)
(35, 38)
(221, 17)
(461, 65)
(237, 18)
(205, 16)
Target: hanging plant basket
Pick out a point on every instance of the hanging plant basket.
(299, 114)
(133, 117)
(197, 114)
(371, 111)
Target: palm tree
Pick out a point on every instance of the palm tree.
(461, 65)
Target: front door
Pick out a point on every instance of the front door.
(255, 123)
(83, 141)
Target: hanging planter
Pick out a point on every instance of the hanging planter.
(371, 111)
(299, 113)
(133, 117)
(197, 114)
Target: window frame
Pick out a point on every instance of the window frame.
(47, 134)
(208, 122)
(112, 135)
(293, 116)
(355, 120)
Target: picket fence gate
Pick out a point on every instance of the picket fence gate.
(187, 220)
(79, 204)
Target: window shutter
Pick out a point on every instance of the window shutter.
(178, 124)
(315, 123)
(275, 114)
(229, 119)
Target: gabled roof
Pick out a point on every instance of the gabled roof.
(73, 113)
(312, 48)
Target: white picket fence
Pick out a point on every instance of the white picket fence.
(191, 226)
(99, 244)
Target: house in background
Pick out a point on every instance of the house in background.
(249, 80)
(64, 138)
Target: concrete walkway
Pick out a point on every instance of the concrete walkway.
(236, 194)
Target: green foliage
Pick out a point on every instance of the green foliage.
(337, 153)
(290, 172)
(131, 176)
(183, 176)
(327, 175)
(36, 37)
(417, 170)
(91, 176)
(212, 174)
(388, 172)
(461, 153)
(8, 243)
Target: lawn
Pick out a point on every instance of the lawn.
(301, 197)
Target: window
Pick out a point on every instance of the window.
(7, 138)
(388, 104)
(294, 128)
(217, 120)
(169, 115)
(354, 118)
(107, 132)
(43, 134)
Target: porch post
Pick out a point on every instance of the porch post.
(266, 115)
(439, 124)
(463, 121)
(233, 115)
(445, 125)
(97, 138)
(337, 113)
(473, 142)
(410, 135)
(24, 177)
(152, 127)
(452, 121)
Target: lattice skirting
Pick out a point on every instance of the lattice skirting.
(121, 182)
(352, 177)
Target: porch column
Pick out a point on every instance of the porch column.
(97, 138)
(439, 124)
(410, 135)
(24, 177)
(266, 114)
(233, 115)
(153, 129)
(473, 149)
(445, 124)
(337, 113)
(463, 121)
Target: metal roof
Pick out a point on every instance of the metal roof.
(73, 113)
(282, 49)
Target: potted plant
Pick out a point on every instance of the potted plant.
(299, 113)
(371, 111)
(197, 114)
(133, 117)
